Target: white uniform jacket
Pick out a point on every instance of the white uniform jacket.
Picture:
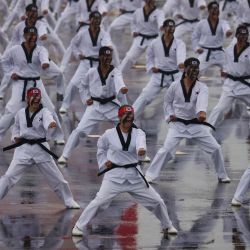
(126, 5)
(237, 66)
(163, 57)
(205, 36)
(26, 153)
(84, 43)
(109, 148)
(186, 106)
(95, 85)
(244, 12)
(18, 60)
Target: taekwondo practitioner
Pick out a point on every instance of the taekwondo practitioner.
(26, 62)
(242, 188)
(31, 130)
(208, 38)
(103, 90)
(118, 151)
(146, 25)
(185, 13)
(185, 108)
(85, 46)
(237, 73)
(165, 56)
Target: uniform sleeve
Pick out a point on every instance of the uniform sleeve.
(168, 102)
(141, 142)
(201, 3)
(16, 128)
(47, 118)
(180, 52)
(150, 57)
(42, 29)
(160, 19)
(119, 83)
(196, 36)
(44, 5)
(225, 26)
(102, 150)
(75, 44)
(7, 62)
(106, 40)
(202, 100)
(43, 55)
(103, 7)
(84, 88)
(15, 39)
(134, 22)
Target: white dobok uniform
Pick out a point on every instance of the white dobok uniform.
(189, 10)
(28, 66)
(244, 13)
(85, 44)
(236, 66)
(166, 59)
(120, 180)
(186, 106)
(211, 41)
(97, 86)
(148, 27)
(26, 155)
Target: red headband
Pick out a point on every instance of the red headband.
(33, 91)
(125, 109)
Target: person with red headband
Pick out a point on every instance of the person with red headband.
(119, 151)
(32, 128)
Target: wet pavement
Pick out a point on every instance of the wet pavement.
(32, 217)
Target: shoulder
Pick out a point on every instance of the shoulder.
(201, 85)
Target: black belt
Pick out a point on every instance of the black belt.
(91, 60)
(187, 21)
(247, 24)
(122, 11)
(148, 37)
(132, 165)
(167, 73)
(193, 121)
(26, 79)
(31, 142)
(241, 79)
(209, 51)
(105, 100)
(82, 24)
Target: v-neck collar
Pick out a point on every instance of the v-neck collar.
(29, 119)
(94, 39)
(125, 145)
(166, 48)
(89, 5)
(146, 16)
(236, 56)
(104, 78)
(187, 95)
(191, 3)
(213, 29)
(27, 54)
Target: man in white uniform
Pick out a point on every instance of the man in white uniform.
(103, 90)
(185, 108)
(237, 73)
(118, 152)
(186, 13)
(165, 56)
(85, 46)
(208, 38)
(146, 25)
(30, 132)
(25, 63)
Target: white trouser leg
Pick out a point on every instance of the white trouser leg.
(222, 107)
(4, 84)
(150, 199)
(11, 177)
(243, 186)
(56, 181)
(210, 145)
(163, 155)
(146, 97)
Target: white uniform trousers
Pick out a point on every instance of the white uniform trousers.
(243, 186)
(91, 117)
(15, 104)
(224, 105)
(134, 53)
(48, 169)
(216, 58)
(148, 197)
(153, 88)
(121, 22)
(167, 152)
(75, 82)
